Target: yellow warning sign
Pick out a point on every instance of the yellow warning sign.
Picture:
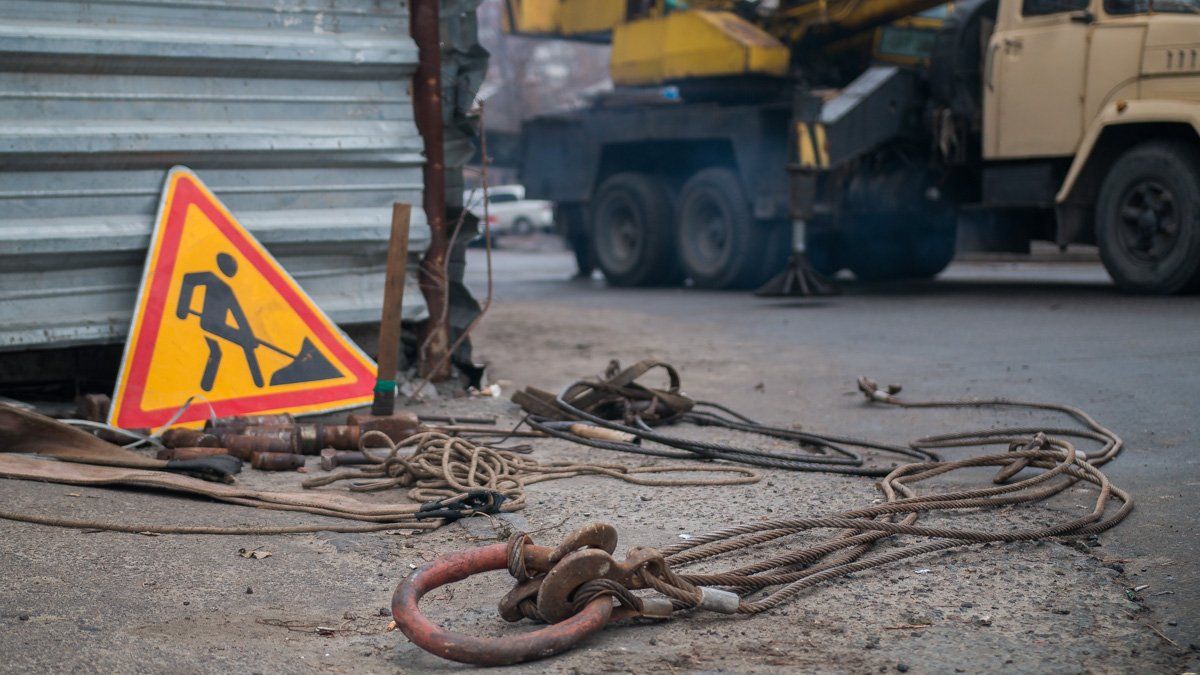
(219, 320)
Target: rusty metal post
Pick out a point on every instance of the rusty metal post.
(427, 109)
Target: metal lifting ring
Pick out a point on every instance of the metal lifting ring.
(477, 651)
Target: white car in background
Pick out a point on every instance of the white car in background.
(509, 211)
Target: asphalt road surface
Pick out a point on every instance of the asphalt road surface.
(1126, 602)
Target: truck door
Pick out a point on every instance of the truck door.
(1115, 55)
(1034, 78)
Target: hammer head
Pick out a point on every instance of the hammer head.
(328, 459)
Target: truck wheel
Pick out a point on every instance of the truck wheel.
(824, 251)
(884, 247)
(720, 245)
(631, 219)
(1148, 219)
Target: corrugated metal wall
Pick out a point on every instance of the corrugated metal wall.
(295, 112)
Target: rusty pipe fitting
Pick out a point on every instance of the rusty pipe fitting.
(244, 447)
(283, 438)
(241, 422)
(259, 430)
(434, 639)
(276, 461)
(396, 427)
(340, 436)
(179, 437)
(304, 439)
(311, 439)
(190, 453)
(331, 459)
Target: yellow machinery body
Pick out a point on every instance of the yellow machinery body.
(568, 19)
(691, 45)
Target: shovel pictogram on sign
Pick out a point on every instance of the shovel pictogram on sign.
(220, 307)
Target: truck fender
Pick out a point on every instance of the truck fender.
(1117, 113)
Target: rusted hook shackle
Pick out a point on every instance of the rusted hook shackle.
(477, 651)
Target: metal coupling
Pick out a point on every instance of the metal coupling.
(657, 608)
(717, 600)
(338, 436)
(308, 438)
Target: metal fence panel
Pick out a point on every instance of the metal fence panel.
(296, 113)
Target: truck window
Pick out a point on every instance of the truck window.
(1144, 6)
(1043, 7)
(502, 198)
(906, 42)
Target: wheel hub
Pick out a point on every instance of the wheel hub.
(625, 235)
(1149, 221)
(707, 233)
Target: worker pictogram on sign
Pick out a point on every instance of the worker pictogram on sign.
(219, 320)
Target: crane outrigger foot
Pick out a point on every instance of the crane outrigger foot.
(798, 279)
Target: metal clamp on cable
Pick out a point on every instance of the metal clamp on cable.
(717, 600)
(872, 391)
(462, 506)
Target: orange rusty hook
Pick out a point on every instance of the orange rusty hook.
(531, 646)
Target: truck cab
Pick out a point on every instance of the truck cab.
(1104, 97)
(894, 135)
(1073, 121)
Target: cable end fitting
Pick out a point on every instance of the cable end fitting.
(874, 392)
(717, 600)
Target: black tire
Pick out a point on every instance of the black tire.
(824, 251)
(720, 244)
(632, 237)
(522, 226)
(571, 220)
(892, 230)
(896, 246)
(1148, 219)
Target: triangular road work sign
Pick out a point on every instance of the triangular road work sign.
(219, 321)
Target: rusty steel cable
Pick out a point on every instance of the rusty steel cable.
(442, 466)
(825, 452)
(1047, 462)
(1063, 466)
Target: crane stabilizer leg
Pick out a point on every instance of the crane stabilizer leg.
(800, 278)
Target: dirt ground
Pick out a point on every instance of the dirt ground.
(109, 602)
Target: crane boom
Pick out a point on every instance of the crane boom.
(660, 41)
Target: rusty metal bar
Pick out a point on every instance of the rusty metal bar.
(427, 109)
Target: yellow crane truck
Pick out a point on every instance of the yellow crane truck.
(877, 136)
